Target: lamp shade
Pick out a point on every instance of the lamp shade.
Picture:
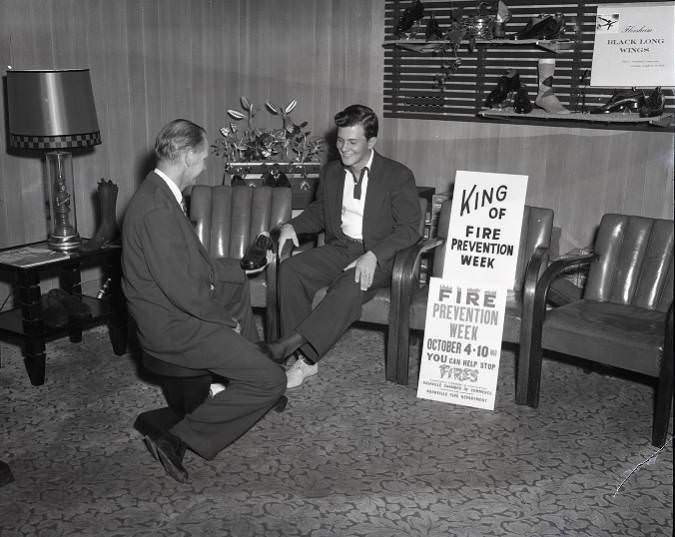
(51, 109)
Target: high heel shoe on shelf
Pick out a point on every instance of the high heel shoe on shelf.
(631, 100)
(507, 83)
(653, 103)
(543, 27)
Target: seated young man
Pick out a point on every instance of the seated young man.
(368, 207)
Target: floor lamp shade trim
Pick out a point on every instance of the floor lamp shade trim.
(54, 111)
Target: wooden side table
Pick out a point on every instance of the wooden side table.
(25, 322)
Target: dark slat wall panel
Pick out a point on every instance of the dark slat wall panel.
(409, 76)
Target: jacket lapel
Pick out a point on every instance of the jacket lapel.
(374, 193)
(189, 230)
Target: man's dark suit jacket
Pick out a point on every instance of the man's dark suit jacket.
(180, 298)
(391, 213)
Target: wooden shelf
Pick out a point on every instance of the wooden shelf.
(663, 120)
(552, 45)
(423, 46)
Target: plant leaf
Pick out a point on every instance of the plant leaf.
(235, 115)
(273, 109)
(245, 103)
(291, 106)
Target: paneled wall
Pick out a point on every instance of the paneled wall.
(154, 60)
(579, 173)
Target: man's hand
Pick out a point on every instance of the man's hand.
(287, 232)
(364, 269)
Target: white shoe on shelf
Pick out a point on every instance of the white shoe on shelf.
(298, 372)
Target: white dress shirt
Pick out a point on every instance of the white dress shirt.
(352, 209)
(172, 186)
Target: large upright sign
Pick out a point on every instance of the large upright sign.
(634, 45)
(465, 308)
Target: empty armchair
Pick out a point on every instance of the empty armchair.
(410, 300)
(624, 318)
(228, 220)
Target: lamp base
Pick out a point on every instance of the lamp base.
(64, 243)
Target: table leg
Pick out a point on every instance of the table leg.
(117, 325)
(70, 280)
(31, 312)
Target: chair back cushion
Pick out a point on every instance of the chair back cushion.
(635, 262)
(535, 231)
(227, 219)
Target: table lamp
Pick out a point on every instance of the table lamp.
(54, 111)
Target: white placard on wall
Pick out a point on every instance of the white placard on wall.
(634, 45)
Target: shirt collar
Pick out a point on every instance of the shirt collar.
(369, 166)
(172, 186)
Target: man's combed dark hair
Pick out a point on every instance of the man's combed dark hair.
(358, 114)
(177, 136)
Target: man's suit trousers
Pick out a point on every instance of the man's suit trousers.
(302, 275)
(255, 382)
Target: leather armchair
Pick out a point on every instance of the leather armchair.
(410, 299)
(624, 319)
(228, 219)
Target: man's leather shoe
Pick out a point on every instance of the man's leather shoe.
(276, 178)
(653, 104)
(622, 100)
(73, 304)
(170, 451)
(507, 83)
(54, 313)
(281, 403)
(522, 103)
(256, 254)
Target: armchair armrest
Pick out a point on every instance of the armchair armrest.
(306, 240)
(664, 394)
(403, 284)
(407, 262)
(535, 290)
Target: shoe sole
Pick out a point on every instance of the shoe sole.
(168, 466)
(152, 448)
(170, 469)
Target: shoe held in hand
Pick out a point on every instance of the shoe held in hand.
(256, 254)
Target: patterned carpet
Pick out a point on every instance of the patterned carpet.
(351, 456)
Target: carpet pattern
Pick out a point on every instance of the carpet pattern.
(352, 456)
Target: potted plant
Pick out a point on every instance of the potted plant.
(285, 156)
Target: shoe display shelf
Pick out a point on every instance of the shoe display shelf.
(303, 176)
(664, 120)
(422, 46)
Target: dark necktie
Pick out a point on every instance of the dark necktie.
(183, 205)
(357, 184)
